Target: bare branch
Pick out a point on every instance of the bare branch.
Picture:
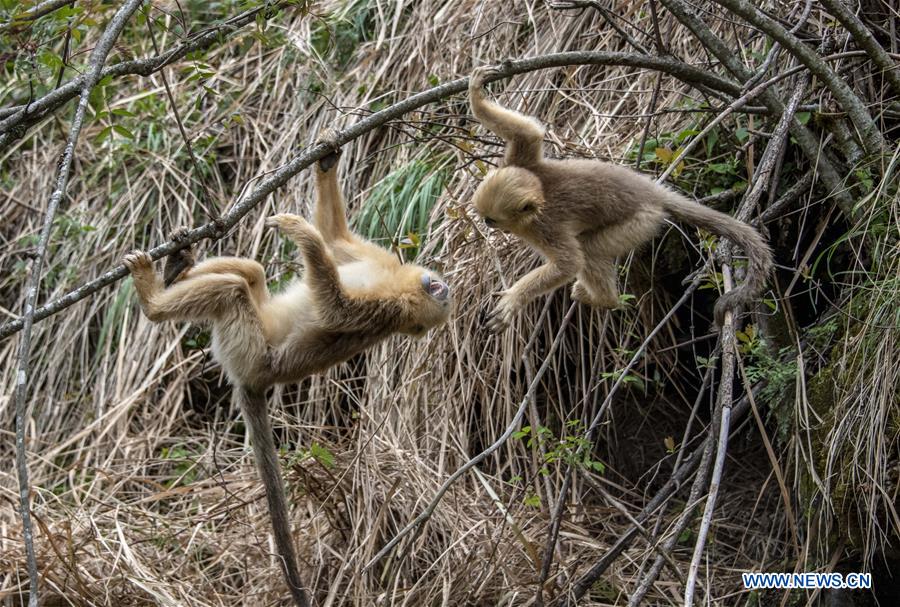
(35, 12)
(722, 412)
(97, 58)
(807, 141)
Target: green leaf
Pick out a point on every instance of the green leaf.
(103, 135)
(711, 140)
(802, 117)
(121, 130)
(322, 455)
(682, 135)
(532, 500)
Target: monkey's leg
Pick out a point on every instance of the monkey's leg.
(252, 272)
(204, 297)
(179, 262)
(596, 285)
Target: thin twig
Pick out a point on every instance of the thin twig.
(660, 50)
(16, 119)
(608, 17)
(777, 143)
(724, 403)
(35, 12)
(20, 395)
(776, 48)
(206, 199)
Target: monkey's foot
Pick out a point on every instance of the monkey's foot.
(179, 234)
(502, 316)
(582, 294)
(294, 226)
(179, 262)
(138, 262)
(480, 76)
(329, 137)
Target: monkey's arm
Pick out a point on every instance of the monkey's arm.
(564, 260)
(339, 311)
(524, 135)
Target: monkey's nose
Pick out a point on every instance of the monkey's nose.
(439, 290)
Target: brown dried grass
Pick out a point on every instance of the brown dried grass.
(144, 490)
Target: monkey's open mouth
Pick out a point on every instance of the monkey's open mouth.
(437, 289)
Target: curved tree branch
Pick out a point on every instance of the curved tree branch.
(35, 12)
(216, 229)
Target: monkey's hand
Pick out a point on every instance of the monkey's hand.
(503, 314)
(480, 76)
(328, 137)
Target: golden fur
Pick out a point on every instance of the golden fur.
(583, 214)
(352, 295)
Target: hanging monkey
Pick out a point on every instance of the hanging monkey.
(353, 294)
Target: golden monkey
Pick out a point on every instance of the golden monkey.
(582, 214)
(353, 294)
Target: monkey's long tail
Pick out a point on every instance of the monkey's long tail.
(759, 255)
(255, 410)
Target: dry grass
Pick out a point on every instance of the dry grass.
(144, 489)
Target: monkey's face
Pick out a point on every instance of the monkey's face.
(509, 199)
(430, 302)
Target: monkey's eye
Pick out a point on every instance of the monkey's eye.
(490, 222)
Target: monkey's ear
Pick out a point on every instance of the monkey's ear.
(529, 207)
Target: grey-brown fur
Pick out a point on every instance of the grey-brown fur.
(583, 214)
(178, 263)
(353, 294)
